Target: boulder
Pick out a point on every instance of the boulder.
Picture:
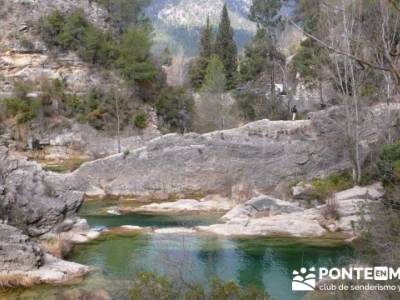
(288, 225)
(261, 205)
(372, 192)
(303, 191)
(31, 199)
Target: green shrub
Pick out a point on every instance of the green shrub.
(128, 52)
(325, 188)
(388, 164)
(21, 107)
(140, 120)
(175, 107)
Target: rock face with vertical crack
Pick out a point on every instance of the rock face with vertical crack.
(259, 155)
(17, 251)
(32, 203)
(31, 199)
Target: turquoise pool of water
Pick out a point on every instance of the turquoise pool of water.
(116, 259)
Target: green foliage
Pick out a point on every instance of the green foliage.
(215, 80)
(62, 30)
(128, 52)
(123, 13)
(389, 164)
(225, 47)
(24, 111)
(259, 56)
(98, 47)
(133, 53)
(264, 12)
(175, 107)
(126, 153)
(199, 68)
(308, 11)
(140, 120)
(206, 41)
(21, 107)
(308, 60)
(151, 287)
(197, 72)
(325, 188)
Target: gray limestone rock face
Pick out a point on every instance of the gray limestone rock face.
(17, 251)
(260, 155)
(31, 199)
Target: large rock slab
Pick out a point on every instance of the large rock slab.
(259, 155)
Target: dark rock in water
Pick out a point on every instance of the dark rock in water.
(17, 251)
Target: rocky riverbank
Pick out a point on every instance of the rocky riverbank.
(34, 203)
(238, 167)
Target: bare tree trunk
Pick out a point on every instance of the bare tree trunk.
(118, 122)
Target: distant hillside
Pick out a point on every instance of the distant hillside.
(178, 22)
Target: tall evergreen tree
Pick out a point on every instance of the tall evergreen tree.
(206, 41)
(225, 47)
(199, 68)
(266, 14)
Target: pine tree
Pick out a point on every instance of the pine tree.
(199, 69)
(206, 41)
(225, 47)
(259, 56)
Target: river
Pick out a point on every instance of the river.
(266, 264)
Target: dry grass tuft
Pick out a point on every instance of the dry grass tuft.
(56, 247)
(16, 280)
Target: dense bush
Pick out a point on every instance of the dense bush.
(21, 107)
(24, 111)
(175, 107)
(325, 188)
(389, 164)
(140, 120)
(128, 51)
